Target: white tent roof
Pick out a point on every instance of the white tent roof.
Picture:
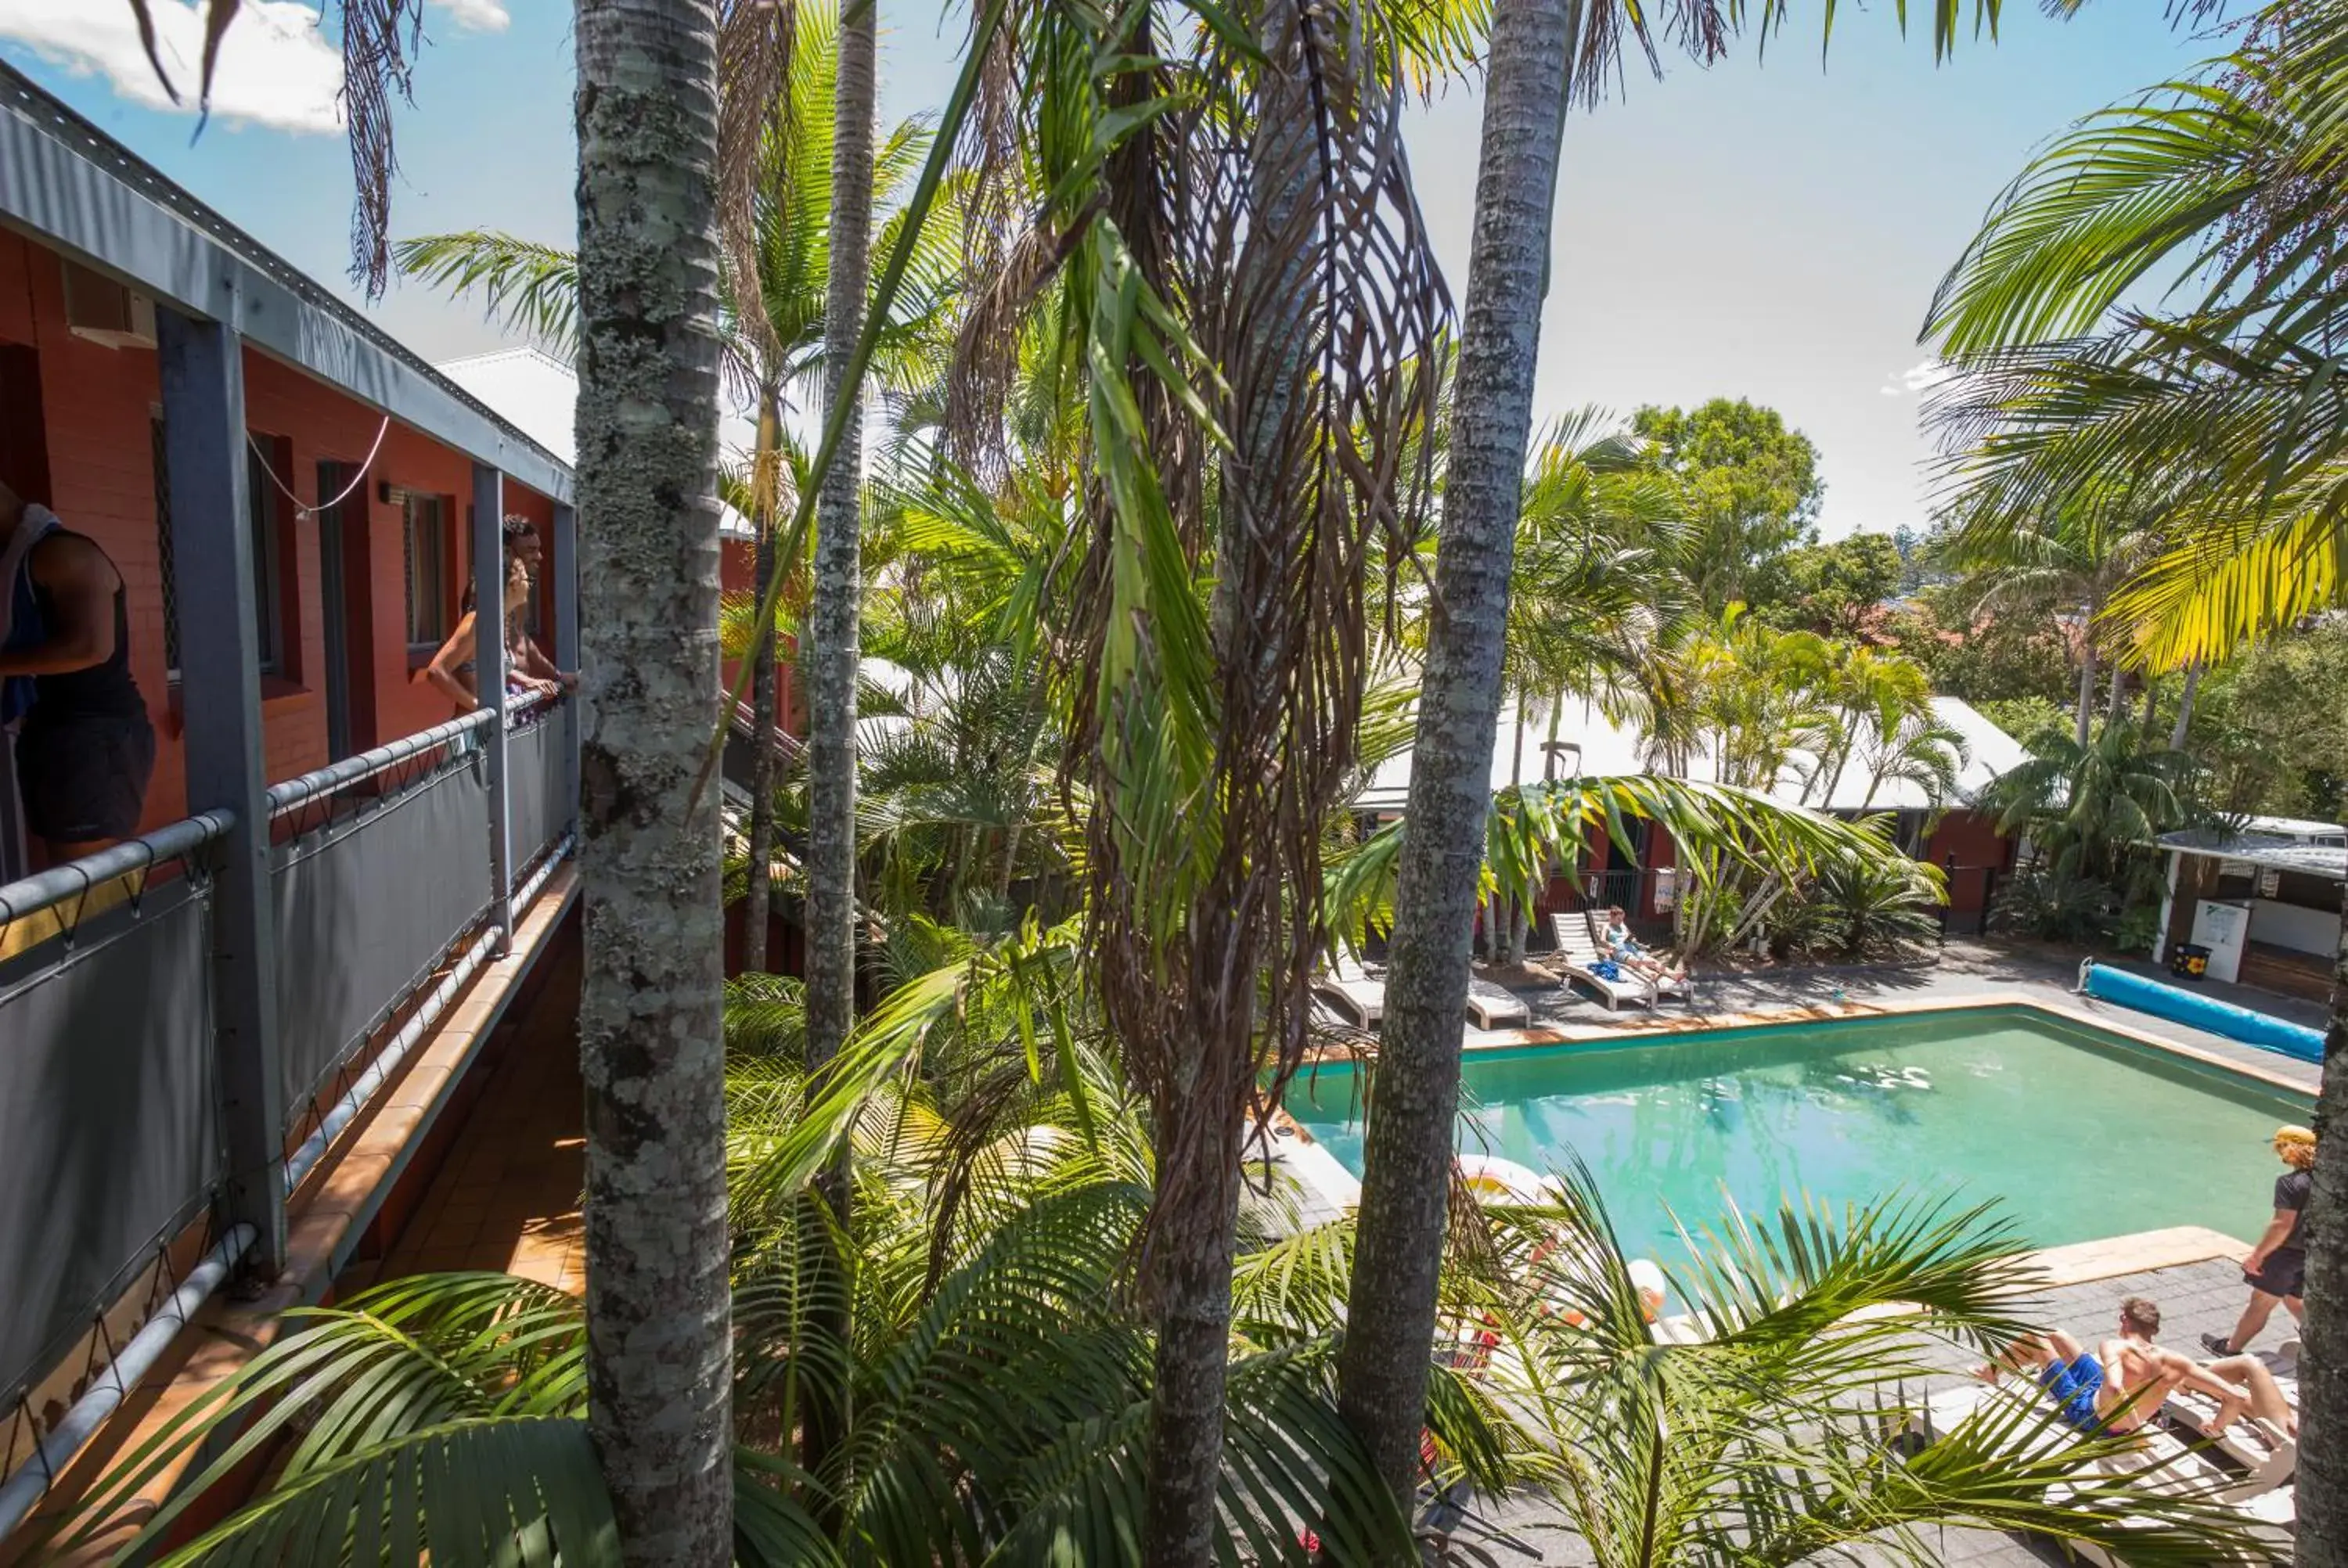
(1611, 749)
(538, 395)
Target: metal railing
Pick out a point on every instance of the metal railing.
(384, 905)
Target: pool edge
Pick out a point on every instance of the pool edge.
(1896, 1007)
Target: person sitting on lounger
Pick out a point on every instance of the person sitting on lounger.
(2123, 1387)
(1625, 950)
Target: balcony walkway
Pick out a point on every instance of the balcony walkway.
(505, 1195)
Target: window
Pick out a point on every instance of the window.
(261, 506)
(423, 527)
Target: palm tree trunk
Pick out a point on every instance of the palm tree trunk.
(2324, 1341)
(1390, 1321)
(659, 1361)
(757, 903)
(2117, 709)
(2185, 710)
(830, 651)
(2087, 713)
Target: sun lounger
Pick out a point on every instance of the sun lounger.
(1493, 1007)
(1661, 988)
(1353, 992)
(1579, 955)
(2265, 1452)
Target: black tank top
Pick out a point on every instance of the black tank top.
(103, 690)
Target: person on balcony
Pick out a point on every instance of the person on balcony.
(523, 652)
(84, 749)
(453, 671)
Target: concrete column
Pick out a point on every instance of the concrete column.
(563, 557)
(489, 681)
(202, 371)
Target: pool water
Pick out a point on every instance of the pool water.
(2084, 1135)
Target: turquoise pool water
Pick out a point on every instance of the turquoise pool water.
(2082, 1134)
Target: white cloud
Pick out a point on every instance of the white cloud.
(477, 16)
(1921, 376)
(275, 70)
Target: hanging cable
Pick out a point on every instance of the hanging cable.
(348, 490)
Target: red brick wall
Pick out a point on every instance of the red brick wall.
(96, 404)
(1967, 848)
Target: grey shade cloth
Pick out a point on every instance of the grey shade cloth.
(538, 785)
(366, 909)
(109, 1143)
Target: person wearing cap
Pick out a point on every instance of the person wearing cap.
(2277, 1267)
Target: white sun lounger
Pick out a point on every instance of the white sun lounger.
(1579, 953)
(1494, 1006)
(1353, 992)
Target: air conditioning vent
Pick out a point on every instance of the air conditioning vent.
(107, 312)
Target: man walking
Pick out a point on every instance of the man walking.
(2278, 1265)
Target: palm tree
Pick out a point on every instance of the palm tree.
(1539, 53)
(2222, 402)
(829, 658)
(658, 1360)
(2067, 564)
(1382, 1382)
(2095, 808)
(774, 289)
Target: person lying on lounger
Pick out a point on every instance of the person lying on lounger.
(1625, 950)
(2123, 1387)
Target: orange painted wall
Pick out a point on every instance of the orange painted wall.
(95, 405)
(737, 574)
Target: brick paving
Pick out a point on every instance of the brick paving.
(506, 1195)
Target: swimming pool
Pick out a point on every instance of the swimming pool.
(2082, 1134)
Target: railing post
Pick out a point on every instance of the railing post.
(202, 370)
(565, 557)
(490, 683)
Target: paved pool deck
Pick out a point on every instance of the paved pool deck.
(1961, 973)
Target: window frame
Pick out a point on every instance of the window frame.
(411, 503)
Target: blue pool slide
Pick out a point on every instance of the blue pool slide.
(2261, 1029)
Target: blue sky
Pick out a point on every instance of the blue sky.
(1770, 229)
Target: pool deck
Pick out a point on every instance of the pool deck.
(1962, 974)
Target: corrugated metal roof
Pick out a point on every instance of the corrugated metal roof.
(2262, 849)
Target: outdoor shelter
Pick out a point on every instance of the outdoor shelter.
(2264, 900)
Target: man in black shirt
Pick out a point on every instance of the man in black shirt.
(85, 750)
(2277, 1267)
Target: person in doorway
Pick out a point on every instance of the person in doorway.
(2277, 1267)
(522, 650)
(85, 750)
(453, 670)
